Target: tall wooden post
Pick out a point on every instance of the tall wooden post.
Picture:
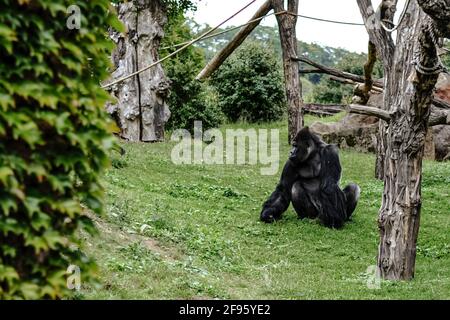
(287, 27)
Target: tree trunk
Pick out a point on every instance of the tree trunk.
(408, 96)
(141, 110)
(411, 73)
(287, 27)
(385, 47)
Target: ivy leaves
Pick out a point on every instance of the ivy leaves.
(54, 140)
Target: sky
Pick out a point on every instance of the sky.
(353, 38)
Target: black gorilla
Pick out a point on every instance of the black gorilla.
(310, 179)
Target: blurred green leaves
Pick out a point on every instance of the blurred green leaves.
(54, 140)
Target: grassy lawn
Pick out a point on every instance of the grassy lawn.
(193, 232)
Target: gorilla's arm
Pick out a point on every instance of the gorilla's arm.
(331, 166)
(334, 207)
(280, 199)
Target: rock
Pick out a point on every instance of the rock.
(443, 87)
(353, 131)
(441, 137)
(360, 132)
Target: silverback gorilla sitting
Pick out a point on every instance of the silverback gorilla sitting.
(310, 179)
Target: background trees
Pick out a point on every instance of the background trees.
(250, 85)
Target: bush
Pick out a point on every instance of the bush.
(54, 139)
(189, 99)
(250, 85)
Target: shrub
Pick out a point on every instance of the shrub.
(189, 99)
(54, 139)
(250, 85)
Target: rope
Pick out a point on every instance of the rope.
(326, 20)
(179, 50)
(208, 35)
(226, 31)
(261, 18)
(402, 16)
(439, 66)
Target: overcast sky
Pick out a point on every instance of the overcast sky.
(353, 38)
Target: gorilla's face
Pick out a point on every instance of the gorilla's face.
(302, 147)
(301, 151)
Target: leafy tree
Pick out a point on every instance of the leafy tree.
(250, 84)
(189, 100)
(54, 139)
(176, 7)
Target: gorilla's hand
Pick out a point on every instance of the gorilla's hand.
(267, 215)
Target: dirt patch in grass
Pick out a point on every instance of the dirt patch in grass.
(113, 232)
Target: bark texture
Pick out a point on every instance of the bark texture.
(385, 48)
(141, 110)
(408, 99)
(287, 27)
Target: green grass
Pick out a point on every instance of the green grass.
(192, 232)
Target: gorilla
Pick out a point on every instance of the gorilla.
(310, 180)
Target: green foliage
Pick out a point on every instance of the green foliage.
(250, 85)
(176, 7)
(329, 92)
(54, 139)
(189, 100)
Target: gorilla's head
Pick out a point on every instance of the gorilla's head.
(304, 145)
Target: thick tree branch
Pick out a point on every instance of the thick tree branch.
(335, 72)
(437, 116)
(221, 56)
(323, 108)
(354, 83)
(350, 78)
(368, 69)
(369, 111)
